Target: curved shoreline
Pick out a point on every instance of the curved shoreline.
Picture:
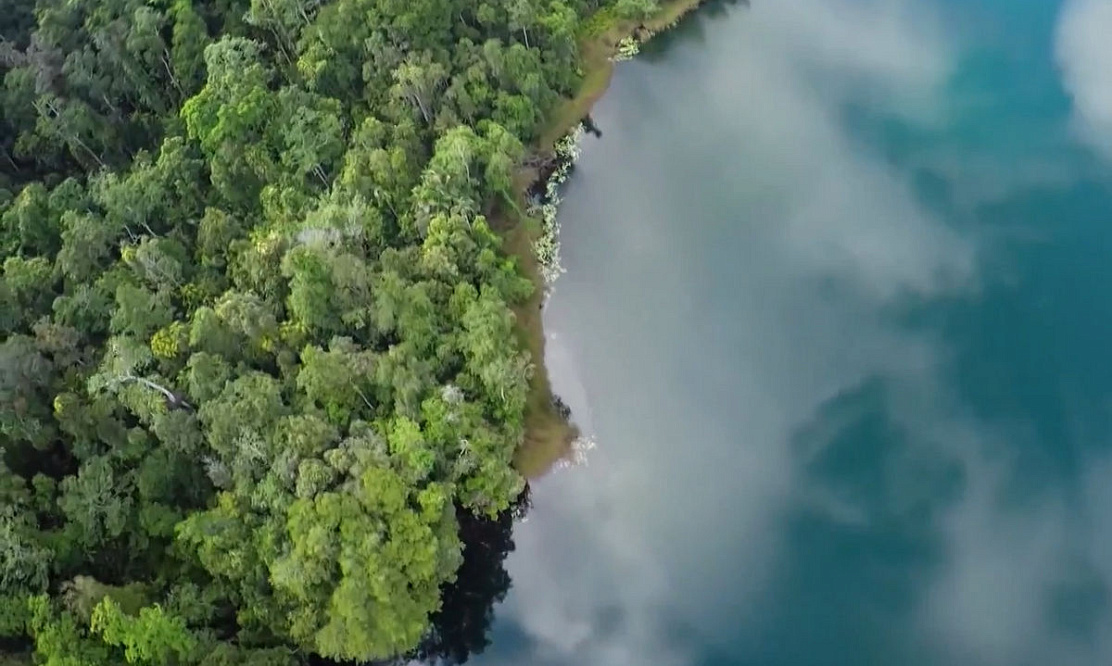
(549, 433)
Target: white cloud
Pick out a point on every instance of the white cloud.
(849, 213)
(1084, 53)
(691, 375)
(1007, 562)
(989, 604)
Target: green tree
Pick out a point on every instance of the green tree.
(30, 224)
(311, 134)
(366, 565)
(283, 19)
(635, 9)
(337, 381)
(187, 46)
(97, 504)
(419, 81)
(60, 640)
(230, 118)
(25, 382)
(24, 560)
(153, 637)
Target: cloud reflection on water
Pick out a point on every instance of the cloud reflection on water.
(726, 329)
(1084, 53)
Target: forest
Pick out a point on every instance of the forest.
(260, 382)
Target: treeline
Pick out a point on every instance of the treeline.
(257, 357)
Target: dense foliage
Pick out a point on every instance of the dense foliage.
(257, 357)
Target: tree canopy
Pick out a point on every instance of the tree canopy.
(259, 372)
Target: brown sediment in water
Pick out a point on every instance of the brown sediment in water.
(549, 434)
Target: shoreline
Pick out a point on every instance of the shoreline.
(603, 35)
(549, 434)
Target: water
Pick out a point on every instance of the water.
(836, 314)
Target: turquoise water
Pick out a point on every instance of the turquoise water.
(836, 318)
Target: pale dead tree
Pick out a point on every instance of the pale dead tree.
(48, 110)
(363, 396)
(451, 394)
(463, 153)
(217, 472)
(46, 62)
(283, 19)
(418, 81)
(152, 23)
(522, 13)
(10, 56)
(173, 400)
(124, 360)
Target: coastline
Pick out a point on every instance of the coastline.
(602, 35)
(549, 434)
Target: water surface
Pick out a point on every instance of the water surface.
(836, 313)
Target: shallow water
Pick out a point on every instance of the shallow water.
(836, 315)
